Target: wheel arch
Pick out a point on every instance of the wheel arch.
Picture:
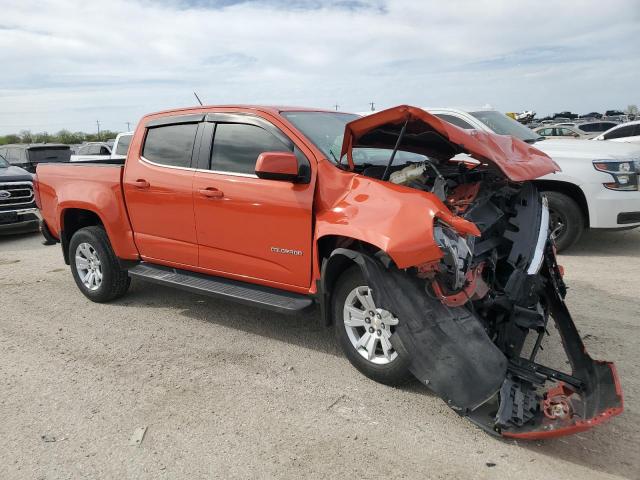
(336, 254)
(72, 220)
(571, 190)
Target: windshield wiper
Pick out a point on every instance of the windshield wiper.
(334, 157)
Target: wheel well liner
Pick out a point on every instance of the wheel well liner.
(73, 219)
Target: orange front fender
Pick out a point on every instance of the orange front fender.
(398, 220)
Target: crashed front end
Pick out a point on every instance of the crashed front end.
(475, 320)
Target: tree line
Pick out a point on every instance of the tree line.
(63, 136)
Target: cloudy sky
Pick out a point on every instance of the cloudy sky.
(66, 64)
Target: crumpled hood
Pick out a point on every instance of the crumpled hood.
(428, 135)
(14, 174)
(589, 149)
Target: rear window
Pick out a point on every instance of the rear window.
(47, 155)
(123, 144)
(170, 145)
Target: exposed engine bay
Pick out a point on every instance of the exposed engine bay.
(469, 315)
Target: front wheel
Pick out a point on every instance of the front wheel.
(95, 266)
(363, 331)
(566, 220)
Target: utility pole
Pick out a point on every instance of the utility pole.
(128, 126)
(337, 106)
(98, 123)
(373, 106)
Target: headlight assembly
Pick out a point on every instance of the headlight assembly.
(625, 174)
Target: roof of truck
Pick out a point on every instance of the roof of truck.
(274, 109)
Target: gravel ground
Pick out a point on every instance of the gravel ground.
(229, 391)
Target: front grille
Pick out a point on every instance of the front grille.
(16, 195)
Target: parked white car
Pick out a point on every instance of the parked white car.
(93, 151)
(625, 132)
(598, 186)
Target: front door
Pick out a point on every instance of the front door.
(251, 228)
(158, 187)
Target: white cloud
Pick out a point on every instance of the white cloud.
(68, 63)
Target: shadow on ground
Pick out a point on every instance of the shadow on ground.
(607, 243)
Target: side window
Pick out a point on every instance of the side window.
(83, 150)
(565, 132)
(104, 151)
(170, 145)
(123, 144)
(93, 150)
(236, 147)
(458, 122)
(589, 127)
(626, 131)
(13, 155)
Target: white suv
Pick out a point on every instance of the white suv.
(598, 186)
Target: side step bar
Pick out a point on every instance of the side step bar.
(247, 293)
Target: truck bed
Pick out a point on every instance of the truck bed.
(92, 186)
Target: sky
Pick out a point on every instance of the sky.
(67, 64)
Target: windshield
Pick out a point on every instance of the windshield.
(3, 162)
(326, 131)
(503, 125)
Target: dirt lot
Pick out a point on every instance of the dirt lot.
(233, 392)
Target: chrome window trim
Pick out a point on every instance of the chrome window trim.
(201, 170)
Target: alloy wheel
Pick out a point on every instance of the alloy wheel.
(368, 327)
(88, 266)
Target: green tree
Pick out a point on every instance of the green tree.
(41, 137)
(26, 137)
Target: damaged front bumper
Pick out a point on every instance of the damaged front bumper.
(514, 397)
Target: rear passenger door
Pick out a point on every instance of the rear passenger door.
(158, 190)
(253, 229)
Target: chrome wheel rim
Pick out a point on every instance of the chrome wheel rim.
(88, 266)
(368, 327)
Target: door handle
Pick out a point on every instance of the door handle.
(211, 192)
(141, 183)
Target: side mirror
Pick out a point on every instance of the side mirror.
(277, 166)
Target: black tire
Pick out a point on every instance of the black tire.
(394, 373)
(115, 281)
(565, 211)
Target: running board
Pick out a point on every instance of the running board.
(247, 293)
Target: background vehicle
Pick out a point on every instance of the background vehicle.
(625, 133)
(598, 184)
(28, 156)
(92, 151)
(425, 265)
(565, 132)
(102, 151)
(18, 211)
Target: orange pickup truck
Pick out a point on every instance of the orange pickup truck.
(425, 265)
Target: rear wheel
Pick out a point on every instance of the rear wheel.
(363, 330)
(566, 220)
(95, 266)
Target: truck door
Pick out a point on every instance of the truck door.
(250, 228)
(158, 188)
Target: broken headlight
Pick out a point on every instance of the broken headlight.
(625, 174)
(457, 255)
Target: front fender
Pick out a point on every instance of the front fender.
(396, 219)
